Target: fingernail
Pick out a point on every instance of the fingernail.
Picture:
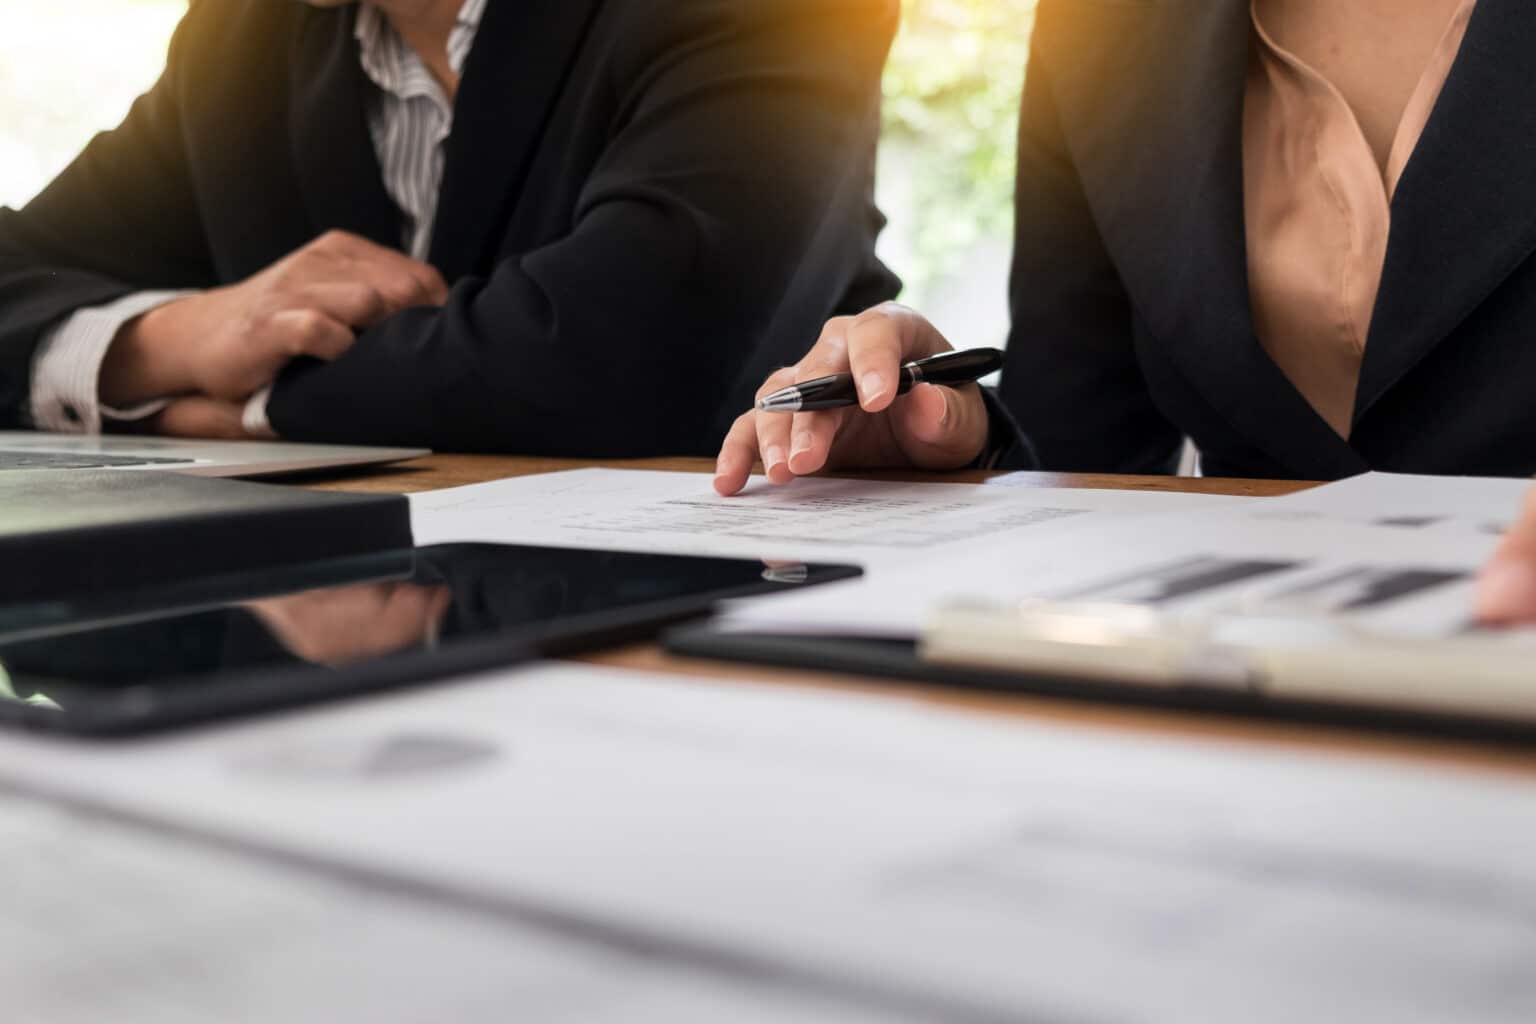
(1507, 590)
(773, 457)
(872, 386)
(802, 443)
(944, 416)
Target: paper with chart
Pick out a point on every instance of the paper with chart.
(1481, 505)
(1391, 553)
(891, 853)
(868, 523)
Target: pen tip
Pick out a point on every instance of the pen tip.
(788, 400)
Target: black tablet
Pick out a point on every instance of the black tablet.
(203, 649)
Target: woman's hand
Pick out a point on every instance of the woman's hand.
(930, 427)
(1506, 594)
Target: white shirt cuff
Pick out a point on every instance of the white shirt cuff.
(67, 366)
(253, 420)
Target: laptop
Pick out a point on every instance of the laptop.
(26, 449)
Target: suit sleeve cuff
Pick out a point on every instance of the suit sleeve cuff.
(253, 420)
(1008, 447)
(67, 366)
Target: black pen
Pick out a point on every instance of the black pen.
(837, 391)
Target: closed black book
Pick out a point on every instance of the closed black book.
(74, 535)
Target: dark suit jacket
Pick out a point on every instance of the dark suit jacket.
(646, 206)
(1132, 325)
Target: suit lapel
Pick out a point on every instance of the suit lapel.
(1156, 130)
(337, 167)
(511, 80)
(1464, 215)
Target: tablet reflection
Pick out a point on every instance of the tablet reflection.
(344, 624)
(136, 657)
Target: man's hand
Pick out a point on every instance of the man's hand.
(930, 427)
(1506, 594)
(230, 342)
(198, 416)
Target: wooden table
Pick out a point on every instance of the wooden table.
(440, 471)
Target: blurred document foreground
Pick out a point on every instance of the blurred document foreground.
(106, 920)
(887, 853)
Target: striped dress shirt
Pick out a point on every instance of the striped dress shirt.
(411, 116)
(409, 119)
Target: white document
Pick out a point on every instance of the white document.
(1485, 505)
(105, 921)
(869, 523)
(1023, 479)
(1417, 582)
(890, 853)
(1393, 553)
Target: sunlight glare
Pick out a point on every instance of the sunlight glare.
(68, 69)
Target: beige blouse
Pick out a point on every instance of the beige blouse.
(1318, 213)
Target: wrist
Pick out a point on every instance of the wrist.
(148, 357)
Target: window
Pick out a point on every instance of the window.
(68, 69)
(947, 159)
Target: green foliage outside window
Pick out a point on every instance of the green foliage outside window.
(951, 108)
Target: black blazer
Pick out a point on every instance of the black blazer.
(1131, 315)
(646, 205)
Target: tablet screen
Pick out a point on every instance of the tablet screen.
(133, 667)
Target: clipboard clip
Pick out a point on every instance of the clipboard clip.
(1302, 657)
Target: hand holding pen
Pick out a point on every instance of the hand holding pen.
(902, 418)
(837, 391)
